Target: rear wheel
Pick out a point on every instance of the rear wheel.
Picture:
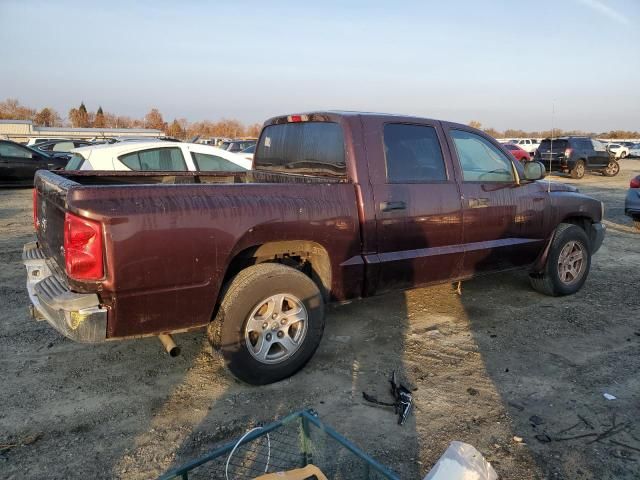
(269, 323)
(612, 169)
(578, 170)
(636, 222)
(568, 263)
(623, 154)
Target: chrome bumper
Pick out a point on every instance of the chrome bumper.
(77, 316)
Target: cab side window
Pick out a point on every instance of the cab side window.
(413, 154)
(480, 160)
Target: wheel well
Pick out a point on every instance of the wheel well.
(309, 257)
(585, 223)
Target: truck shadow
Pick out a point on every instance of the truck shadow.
(363, 342)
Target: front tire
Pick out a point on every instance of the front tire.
(612, 169)
(568, 263)
(578, 170)
(269, 324)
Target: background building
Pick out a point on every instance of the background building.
(22, 130)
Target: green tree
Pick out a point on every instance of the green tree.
(79, 116)
(99, 121)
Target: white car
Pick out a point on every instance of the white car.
(157, 155)
(635, 151)
(529, 145)
(619, 150)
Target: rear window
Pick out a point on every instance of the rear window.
(214, 163)
(166, 159)
(558, 144)
(75, 162)
(311, 148)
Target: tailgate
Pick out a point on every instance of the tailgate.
(50, 197)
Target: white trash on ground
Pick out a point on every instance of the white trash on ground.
(461, 461)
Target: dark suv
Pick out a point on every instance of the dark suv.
(576, 155)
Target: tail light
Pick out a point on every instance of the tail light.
(635, 182)
(297, 118)
(83, 248)
(567, 152)
(35, 209)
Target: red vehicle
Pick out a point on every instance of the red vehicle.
(519, 154)
(338, 206)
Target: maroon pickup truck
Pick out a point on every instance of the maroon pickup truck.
(340, 205)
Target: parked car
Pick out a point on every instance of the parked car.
(236, 145)
(64, 146)
(156, 155)
(249, 152)
(632, 202)
(340, 205)
(618, 150)
(19, 163)
(529, 145)
(635, 151)
(576, 155)
(519, 154)
(36, 140)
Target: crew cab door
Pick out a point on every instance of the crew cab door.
(502, 217)
(417, 205)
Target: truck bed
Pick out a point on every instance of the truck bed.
(169, 237)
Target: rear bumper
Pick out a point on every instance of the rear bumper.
(77, 316)
(598, 236)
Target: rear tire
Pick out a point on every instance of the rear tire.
(636, 222)
(612, 169)
(623, 155)
(568, 263)
(578, 170)
(269, 324)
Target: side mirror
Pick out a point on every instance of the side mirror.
(534, 170)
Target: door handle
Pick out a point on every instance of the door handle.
(390, 206)
(478, 202)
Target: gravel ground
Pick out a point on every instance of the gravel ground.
(497, 362)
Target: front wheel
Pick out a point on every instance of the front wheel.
(269, 323)
(623, 155)
(578, 170)
(612, 169)
(567, 265)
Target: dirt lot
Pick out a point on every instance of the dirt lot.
(499, 361)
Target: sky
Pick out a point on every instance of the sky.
(508, 64)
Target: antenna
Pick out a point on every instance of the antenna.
(553, 113)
